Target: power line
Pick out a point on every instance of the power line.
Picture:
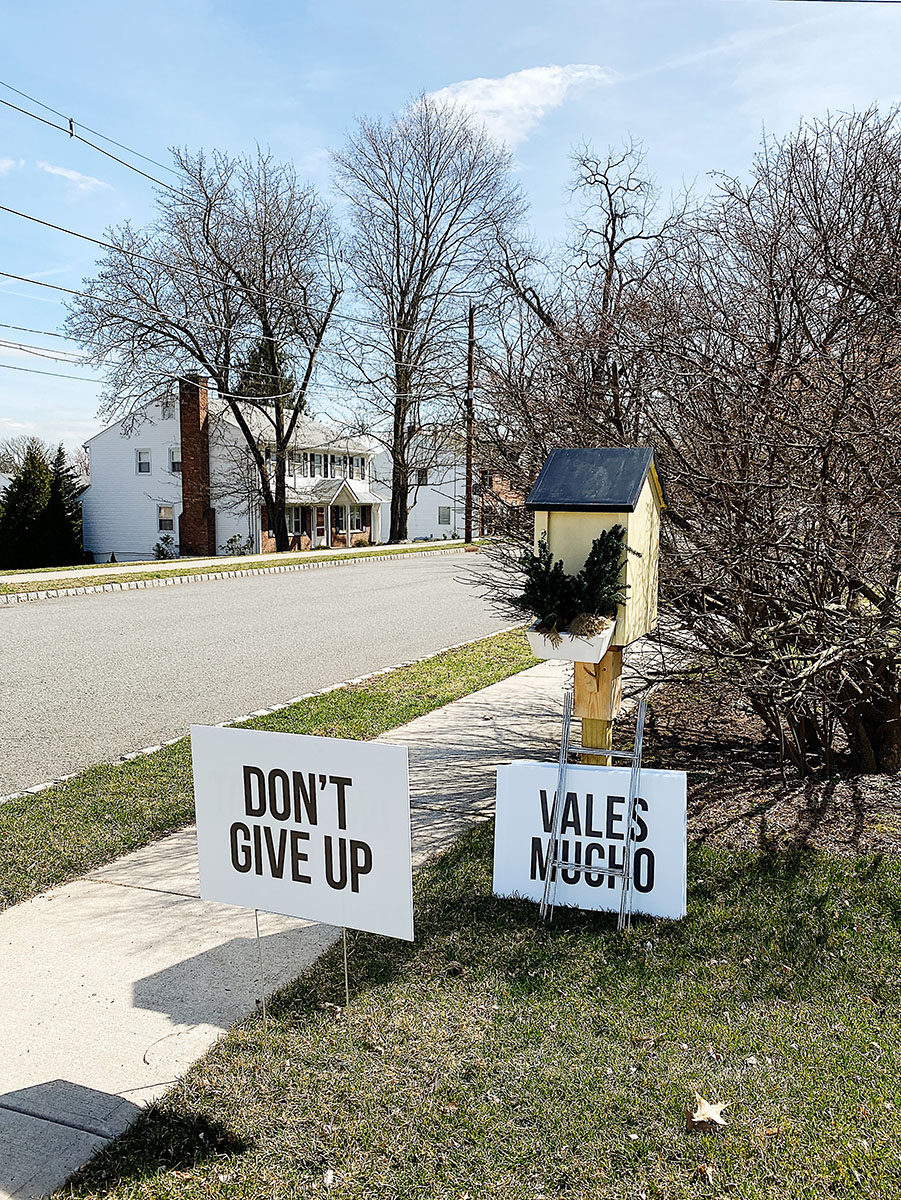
(40, 283)
(74, 356)
(195, 325)
(44, 352)
(172, 267)
(41, 332)
(96, 132)
(70, 131)
(55, 374)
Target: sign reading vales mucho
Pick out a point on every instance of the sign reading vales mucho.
(592, 833)
(309, 827)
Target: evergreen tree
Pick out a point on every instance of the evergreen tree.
(556, 599)
(597, 586)
(23, 506)
(60, 522)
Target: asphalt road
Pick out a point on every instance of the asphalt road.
(84, 679)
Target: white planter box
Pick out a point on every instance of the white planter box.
(571, 648)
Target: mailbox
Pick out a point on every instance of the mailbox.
(580, 493)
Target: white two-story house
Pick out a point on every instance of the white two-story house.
(183, 469)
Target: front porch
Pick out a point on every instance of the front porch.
(349, 518)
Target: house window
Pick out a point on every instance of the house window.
(292, 463)
(142, 462)
(443, 515)
(358, 467)
(304, 464)
(356, 518)
(175, 460)
(422, 477)
(294, 518)
(165, 518)
(487, 480)
(318, 470)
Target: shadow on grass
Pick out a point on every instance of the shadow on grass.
(783, 916)
(159, 1140)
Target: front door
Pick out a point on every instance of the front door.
(320, 526)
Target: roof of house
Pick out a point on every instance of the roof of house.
(327, 491)
(308, 433)
(600, 479)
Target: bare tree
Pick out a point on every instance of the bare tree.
(776, 353)
(237, 274)
(569, 366)
(427, 192)
(13, 451)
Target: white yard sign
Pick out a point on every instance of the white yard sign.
(592, 832)
(310, 827)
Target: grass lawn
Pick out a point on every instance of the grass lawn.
(94, 576)
(62, 832)
(497, 1058)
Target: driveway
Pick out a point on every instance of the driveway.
(87, 678)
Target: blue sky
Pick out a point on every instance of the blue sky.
(695, 80)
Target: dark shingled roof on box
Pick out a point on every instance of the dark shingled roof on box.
(607, 479)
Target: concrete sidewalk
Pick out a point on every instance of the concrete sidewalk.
(113, 985)
(221, 563)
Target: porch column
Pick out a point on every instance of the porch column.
(347, 525)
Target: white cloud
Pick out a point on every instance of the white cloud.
(513, 105)
(10, 164)
(81, 183)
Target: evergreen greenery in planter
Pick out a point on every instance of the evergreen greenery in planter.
(577, 604)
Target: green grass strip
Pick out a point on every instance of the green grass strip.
(95, 581)
(67, 830)
(501, 1059)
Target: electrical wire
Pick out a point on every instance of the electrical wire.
(70, 131)
(201, 325)
(41, 332)
(55, 374)
(182, 270)
(72, 134)
(74, 356)
(96, 132)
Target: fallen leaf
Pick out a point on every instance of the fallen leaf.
(329, 1178)
(707, 1117)
(705, 1172)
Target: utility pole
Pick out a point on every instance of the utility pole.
(470, 424)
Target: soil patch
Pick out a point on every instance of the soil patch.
(741, 795)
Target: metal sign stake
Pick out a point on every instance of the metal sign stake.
(555, 864)
(256, 919)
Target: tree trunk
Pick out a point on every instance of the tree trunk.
(280, 528)
(400, 494)
(400, 474)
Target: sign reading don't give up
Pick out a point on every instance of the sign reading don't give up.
(309, 827)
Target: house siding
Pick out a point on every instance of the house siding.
(119, 508)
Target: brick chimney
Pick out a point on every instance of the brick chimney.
(197, 523)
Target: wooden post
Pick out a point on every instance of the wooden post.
(597, 699)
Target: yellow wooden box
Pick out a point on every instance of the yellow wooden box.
(580, 493)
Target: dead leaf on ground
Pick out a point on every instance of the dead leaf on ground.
(707, 1117)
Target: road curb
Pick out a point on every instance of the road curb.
(128, 585)
(37, 788)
